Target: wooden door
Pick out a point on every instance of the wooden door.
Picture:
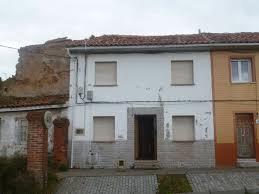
(245, 135)
(145, 133)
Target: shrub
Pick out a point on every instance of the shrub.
(54, 166)
(14, 178)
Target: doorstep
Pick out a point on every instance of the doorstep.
(247, 163)
(146, 164)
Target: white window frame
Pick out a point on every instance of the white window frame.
(106, 85)
(19, 130)
(194, 128)
(250, 71)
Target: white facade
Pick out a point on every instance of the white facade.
(143, 80)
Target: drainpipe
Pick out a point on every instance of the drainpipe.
(73, 112)
(85, 104)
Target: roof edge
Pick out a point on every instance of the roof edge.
(162, 48)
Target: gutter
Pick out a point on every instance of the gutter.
(161, 48)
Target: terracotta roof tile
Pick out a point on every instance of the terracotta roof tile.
(14, 102)
(135, 40)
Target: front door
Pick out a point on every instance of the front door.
(145, 137)
(245, 135)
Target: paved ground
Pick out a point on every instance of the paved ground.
(145, 181)
(109, 185)
(227, 181)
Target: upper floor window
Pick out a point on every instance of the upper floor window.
(182, 73)
(21, 129)
(104, 128)
(105, 73)
(241, 70)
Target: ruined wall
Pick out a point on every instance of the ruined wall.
(42, 70)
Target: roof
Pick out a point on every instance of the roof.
(15, 102)
(178, 39)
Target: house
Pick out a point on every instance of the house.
(149, 101)
(14, 125)
(41, 82)
(141, 101)
(235, 83)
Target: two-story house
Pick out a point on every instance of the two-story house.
(141, 101)
(235, 94)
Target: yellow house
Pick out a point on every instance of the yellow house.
(235, 95)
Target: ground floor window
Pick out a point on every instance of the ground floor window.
(183, 128)
(21, 129)
(104, 128)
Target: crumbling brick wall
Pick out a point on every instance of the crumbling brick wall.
(41, 70)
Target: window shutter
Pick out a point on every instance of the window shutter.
(182, 72)
(105, 73)
(104, 128)
(183, 128)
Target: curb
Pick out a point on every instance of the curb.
(236, 191)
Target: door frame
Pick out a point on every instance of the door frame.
(235, 131)
(136, 130)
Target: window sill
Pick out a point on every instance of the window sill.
(103, 141)
(242, 83)
(182, 84)
(105, 85)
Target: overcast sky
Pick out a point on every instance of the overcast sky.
(25, 22)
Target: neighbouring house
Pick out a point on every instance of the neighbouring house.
(41, 83)
(235, 89)
(14, 125)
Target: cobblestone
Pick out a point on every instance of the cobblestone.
(202, 182)
(109, 185)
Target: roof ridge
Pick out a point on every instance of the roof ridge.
(204, 35)
(108, 40)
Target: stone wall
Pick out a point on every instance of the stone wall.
(41, 70)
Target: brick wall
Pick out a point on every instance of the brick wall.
(50, 72)
(37, 146)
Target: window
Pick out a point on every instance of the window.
(182, 72)
(105, 73)
(21, 129)
(241, 70)
(183, 128)
(104, 128)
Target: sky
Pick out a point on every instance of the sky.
(26, 22)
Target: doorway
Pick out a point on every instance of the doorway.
(145, 137)
(245, 135)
